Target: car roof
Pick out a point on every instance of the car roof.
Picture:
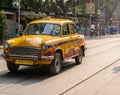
(52, 20)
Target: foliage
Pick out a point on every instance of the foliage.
(2, 25)
(64, 6)
(6, 3)
(109, 8)
(2, 18)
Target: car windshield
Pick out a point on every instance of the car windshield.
(43, 28)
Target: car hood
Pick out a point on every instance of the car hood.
(31, 40)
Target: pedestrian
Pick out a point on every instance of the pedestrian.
(93, 30)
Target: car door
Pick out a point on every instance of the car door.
(67, 40)
(76, 39)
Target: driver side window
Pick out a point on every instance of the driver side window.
(73, 29)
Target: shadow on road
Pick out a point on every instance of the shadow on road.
(30, 74)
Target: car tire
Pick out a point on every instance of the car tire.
(12, 67)
(56, 65)
(78, 59)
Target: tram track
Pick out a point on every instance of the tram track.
(89, 77)
(94, 74)
(103, 44)
(101, 51)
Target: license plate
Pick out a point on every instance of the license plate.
(24, 62)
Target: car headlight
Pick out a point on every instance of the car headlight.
(6, 45)
(44, 46)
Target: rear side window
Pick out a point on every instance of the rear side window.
(65, 30)
(73, 29)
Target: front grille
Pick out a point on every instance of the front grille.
(25, 51)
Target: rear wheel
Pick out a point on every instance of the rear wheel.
(78, 59)
(56, 65)
(12, 67)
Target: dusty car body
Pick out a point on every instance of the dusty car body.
(48, 41)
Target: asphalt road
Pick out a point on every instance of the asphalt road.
(99, 74)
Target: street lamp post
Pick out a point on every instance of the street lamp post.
(119, 19)
(90, 18)
(75, 9)
(98, 13)
(16, 4)
(19, 16)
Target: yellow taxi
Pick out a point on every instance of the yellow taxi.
(48, 41)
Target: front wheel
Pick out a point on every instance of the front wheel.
(78, 59)
(12, 67)
(56, 65)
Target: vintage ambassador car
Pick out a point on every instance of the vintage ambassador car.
(48, 41)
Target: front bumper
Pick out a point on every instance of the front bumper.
(27, 57)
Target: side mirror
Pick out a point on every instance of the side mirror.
(19, 34)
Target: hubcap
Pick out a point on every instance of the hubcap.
(57, 64)
(80, 56)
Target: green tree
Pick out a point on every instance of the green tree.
(57, 6)
(65, 6)
(109, 7)
(2, 25)
(6, 3)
